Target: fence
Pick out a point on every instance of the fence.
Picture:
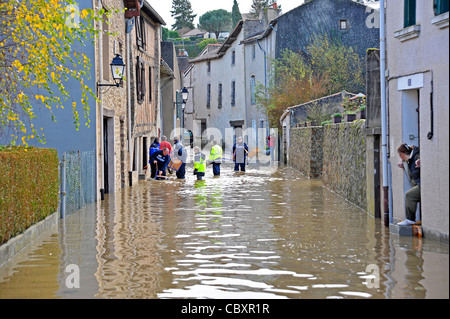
(78, 181)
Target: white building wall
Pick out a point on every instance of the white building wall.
(418, 63)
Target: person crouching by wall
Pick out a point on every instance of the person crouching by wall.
(410, 157)
(199, 163)
(158, 163)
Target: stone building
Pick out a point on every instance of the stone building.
(354, 24)
(111, 112)
(144, 55)
(417, 80)
(127, 114)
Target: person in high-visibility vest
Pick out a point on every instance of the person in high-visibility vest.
(199, 163)
(215, 157)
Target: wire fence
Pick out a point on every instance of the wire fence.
(77, 180)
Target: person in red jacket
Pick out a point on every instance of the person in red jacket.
(164, 144)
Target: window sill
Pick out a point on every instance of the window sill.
(441, 20)
(408, 33)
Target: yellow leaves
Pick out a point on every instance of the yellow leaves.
(84, 13)
(42, 48)
(16, 64)
(40, 97)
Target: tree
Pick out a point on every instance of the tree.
(201, 45)
(257, 5)
(339, 64)
(216, 21)
(183, 14)
(235, 14)
(296, 78)
(40, 50)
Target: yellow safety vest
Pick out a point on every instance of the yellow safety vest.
(199, 162)
(216, 154)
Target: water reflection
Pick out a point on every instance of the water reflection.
(262, 234)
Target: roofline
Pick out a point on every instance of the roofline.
(148, 9)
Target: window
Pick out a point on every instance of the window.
(233, 57)
(233, 93)
(253, 51)
(140, 32)
(140, 80)
(343, 24)
(208, 64)
(409, 13)
(208, 96)
(253, 89)
(440, 6)
(219, 104)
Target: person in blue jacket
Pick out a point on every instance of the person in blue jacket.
(158, 162)
(154, 146)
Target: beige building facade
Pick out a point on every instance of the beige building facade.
(417, 81)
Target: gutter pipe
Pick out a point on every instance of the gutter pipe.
(383, 114)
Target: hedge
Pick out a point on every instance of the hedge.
(29, 185)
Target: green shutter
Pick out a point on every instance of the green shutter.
(440, 6)
(409, 13)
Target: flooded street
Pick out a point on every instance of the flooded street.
(264, 234)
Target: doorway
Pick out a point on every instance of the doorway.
(410, 129)
(108, 155)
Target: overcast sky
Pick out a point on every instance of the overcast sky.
(200, 7)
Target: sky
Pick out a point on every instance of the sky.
(200, 7)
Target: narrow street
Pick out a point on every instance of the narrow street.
(268, 233)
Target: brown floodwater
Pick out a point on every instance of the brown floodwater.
(268, 233)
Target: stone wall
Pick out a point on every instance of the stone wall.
(306, 150)
(337, 154)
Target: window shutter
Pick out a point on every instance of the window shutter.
(409, 13)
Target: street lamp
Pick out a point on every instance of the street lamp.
(117, 70)
(184, 95)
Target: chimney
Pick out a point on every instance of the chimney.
(274, 5)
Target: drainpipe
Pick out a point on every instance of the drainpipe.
(431, 132)
(383, 113)
(100, 97)
(128, 40)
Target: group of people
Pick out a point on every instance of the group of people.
(162, 153)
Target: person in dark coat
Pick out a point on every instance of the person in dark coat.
(240, 151)
(410, 156)
(154, 146)
(158, 163)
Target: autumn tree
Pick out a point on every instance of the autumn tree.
(296, 78)
(40, 43)
(183, 14)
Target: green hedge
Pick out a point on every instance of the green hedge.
(29, 185)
